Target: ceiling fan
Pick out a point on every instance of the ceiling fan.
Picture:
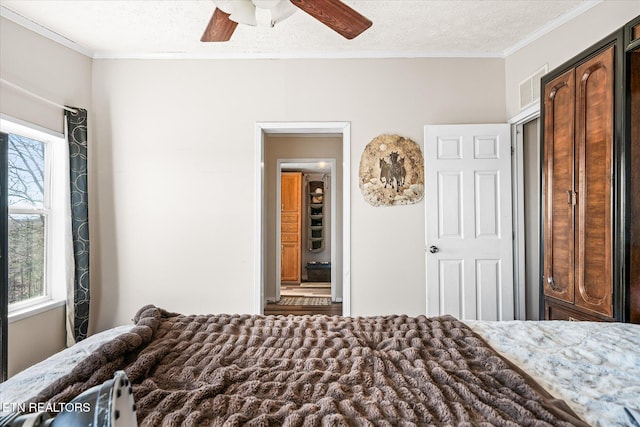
(333, 13)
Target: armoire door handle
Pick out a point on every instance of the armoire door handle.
(552, 284)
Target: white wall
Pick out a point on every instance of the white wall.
(43, 67)
(173, 218)
(64, 76)
(564, 43)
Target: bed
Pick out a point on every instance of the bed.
(380, 370)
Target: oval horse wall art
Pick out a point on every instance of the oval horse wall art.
(392, 171)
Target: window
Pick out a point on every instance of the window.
(29, 218)
(36, 215)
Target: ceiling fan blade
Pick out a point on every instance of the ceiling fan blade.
(220, 27)
(335, 15)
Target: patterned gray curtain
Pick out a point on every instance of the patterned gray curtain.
(78, 309)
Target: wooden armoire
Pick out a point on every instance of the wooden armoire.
(632, 47)
(586, 213)
(290, 225)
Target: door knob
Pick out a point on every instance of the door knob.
(433, 249)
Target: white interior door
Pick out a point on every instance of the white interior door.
(469, 250)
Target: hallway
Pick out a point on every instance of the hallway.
(319, 293)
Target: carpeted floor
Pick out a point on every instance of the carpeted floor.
(304, 300)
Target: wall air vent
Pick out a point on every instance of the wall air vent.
(530, 88)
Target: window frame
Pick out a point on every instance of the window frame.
(54, 292)
(4, 306)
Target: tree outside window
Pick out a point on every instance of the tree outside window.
(28, 215)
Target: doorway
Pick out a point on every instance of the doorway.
(296, 136)
(527, 200)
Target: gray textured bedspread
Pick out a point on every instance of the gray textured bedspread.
(313, 370)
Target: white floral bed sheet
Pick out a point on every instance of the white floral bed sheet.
(594, 367)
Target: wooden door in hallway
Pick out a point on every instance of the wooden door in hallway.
(290, 218)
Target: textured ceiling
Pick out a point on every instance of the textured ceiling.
(152, 28)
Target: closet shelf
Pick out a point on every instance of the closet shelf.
(315, 229)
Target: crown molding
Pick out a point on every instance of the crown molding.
(294, 55)
(552, 25)
(45, 32)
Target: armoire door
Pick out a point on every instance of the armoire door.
(594, 150)
(559, 125)
(634, 175)
(578, 151)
